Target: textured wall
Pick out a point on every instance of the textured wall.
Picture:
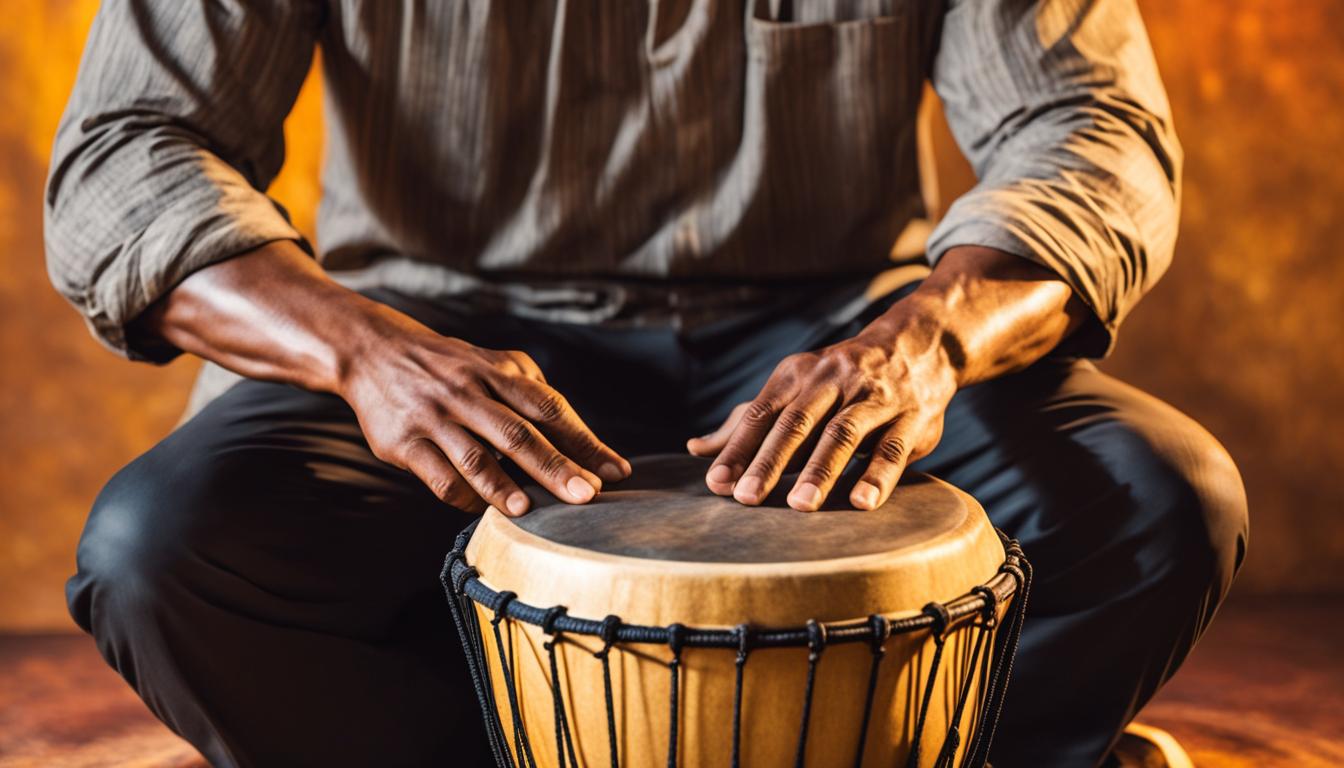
(1246, 333)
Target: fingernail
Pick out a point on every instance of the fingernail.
(610, 472)
(864, 495)
(806, 497)
(748, 489)
(516, 503)
(721, 473)
(580, 490)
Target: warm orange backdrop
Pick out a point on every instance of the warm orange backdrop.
(1246, 333)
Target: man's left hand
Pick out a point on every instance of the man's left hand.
(889, 384)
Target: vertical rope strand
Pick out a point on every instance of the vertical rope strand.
(458, 604)
(881, 631)
(1003, 668)
(676, 638)
(816, 643)
(743, 648)
(609, 626)
(949, 750)
(941, 618)
(524, 748)
(564, 742)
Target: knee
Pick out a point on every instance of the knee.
(138, 543)
(1191, 500)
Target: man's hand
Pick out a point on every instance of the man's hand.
(436, 406)
(441, 408)
(980, 314)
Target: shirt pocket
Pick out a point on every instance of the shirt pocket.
(836, 100)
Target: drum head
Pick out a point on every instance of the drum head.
(660, 548)
(664, 511)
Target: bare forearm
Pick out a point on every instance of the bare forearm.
(269, 314)
(987, 312)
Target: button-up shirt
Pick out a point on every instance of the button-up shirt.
(610, 161)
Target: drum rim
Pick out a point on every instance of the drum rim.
(461, 580)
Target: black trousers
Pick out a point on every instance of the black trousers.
(270, 588)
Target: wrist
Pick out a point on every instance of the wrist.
(916, 331)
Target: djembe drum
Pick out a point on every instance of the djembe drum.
(661, 624)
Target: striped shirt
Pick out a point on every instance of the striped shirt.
(610, 161)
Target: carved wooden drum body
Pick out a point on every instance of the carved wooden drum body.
(663, 625)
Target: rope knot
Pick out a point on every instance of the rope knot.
(990, 612)
(816, 639)
(881, 629)
(676, 640)
(501, 605)
(941, 619)
(607, 632)
(548, 620)
(461, 578)
(743, 643)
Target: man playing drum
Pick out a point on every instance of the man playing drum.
(556, 235)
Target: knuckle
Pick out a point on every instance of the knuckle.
(550, 406)
(844, 430)
(891, 449)
(473, 461)
(553, 465)
(818, 472)
(516, 436)
(758, 412)
(794, 422)
(443, 486)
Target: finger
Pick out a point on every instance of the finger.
(427, 462)
(791, 428)
(890, 455)
(552, 413)
(712, 443)
(478, 467)
(519, 440)
(744, 441)
(840, 438)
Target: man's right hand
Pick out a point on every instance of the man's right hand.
(436, 406)
(442, 408)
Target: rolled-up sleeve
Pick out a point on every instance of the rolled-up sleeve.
(1059, 107)
(171, 135)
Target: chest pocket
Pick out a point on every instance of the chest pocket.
(834, 86)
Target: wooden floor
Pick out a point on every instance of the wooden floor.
(1264, 688)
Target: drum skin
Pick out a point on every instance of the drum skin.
(660, 549)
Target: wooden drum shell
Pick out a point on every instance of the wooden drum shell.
(963, 553)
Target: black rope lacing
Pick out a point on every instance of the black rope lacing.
(816, 644)
(609, 627)
(1013, 582)
(881, 631)
(740, 663)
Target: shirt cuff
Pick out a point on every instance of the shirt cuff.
(214, 220)
(1030, 224)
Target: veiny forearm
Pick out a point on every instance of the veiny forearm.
(270, 314)
(987, 312)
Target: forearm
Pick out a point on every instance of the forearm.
(984, 313)
(270, 314)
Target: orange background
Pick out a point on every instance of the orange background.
(1246, 333)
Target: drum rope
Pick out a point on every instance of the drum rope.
(610, 627)
(739, 664)
(452, 584)
(521, 742)
(676, 640)
(1019, 568)
(986, 626)
(941, 618)
(881, 631)
(462, 583)
(564, 741)
(816, 644)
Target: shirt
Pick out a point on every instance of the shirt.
(591, 161)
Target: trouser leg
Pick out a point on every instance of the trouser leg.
(1135, 520)
(270, 590)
